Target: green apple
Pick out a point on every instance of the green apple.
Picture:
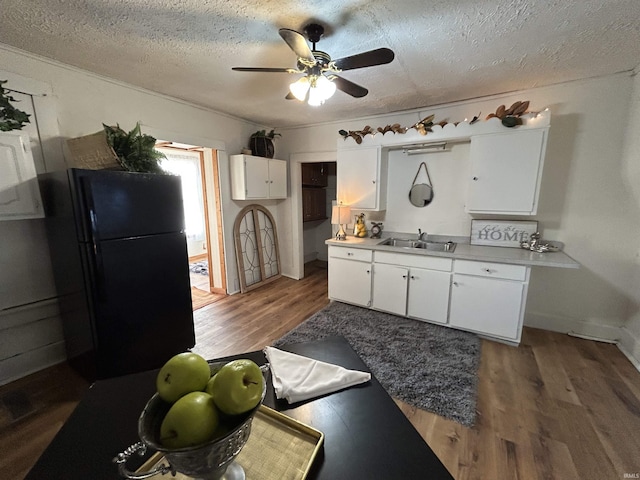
(192, 420)
(237, 387)
(183, 373)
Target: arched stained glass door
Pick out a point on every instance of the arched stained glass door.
(257, 251)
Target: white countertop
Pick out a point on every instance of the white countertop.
(465, 251)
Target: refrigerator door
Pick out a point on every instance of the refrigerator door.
(141, 302)
(115, 204)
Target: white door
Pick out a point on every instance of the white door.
(357, 177)
(350, 281)
(429, 295)
(277, 179)
(257, 176)
(505, 172)
(19, 192)
(490, 306)
(390, 288)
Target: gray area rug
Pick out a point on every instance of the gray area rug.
(200, 267)
(431, 367)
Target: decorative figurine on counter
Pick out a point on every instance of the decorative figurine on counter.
(535, 245)
(376, 229)
(359, 228)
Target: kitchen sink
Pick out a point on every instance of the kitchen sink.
(402, 242)
(425, 245)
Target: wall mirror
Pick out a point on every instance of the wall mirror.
(421, 194)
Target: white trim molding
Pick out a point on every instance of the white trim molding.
(624, 339)
(30, 339)
(295, 172)
(629, 344)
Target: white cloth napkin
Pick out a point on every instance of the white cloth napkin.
(299, 378)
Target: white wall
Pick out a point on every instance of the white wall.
(83, 102)
(587, 200)
(590, 198)
(630, 342)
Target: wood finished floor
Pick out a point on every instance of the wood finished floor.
(556, 407)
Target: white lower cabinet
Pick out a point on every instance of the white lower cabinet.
(350, 275)
(482, 297)
(489, 298)
(429, 295)
(390, 288)
(415, 286)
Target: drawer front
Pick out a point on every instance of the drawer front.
(418, 261)
(359, 254)
(494, 270)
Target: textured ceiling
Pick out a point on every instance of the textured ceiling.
(446, 50)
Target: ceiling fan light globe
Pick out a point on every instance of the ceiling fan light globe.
(299, 88)
(315, 97)
(326, 87)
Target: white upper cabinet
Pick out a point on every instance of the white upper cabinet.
(506, 164)
(362, 178)
(257, 178)
(19, 193)
(506, 169)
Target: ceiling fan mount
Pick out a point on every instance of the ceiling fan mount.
(314, 33)
(318, 67)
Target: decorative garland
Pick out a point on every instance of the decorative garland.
(510, 117)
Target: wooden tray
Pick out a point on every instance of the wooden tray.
(279, 448)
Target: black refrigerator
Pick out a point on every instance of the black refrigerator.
(119, 255)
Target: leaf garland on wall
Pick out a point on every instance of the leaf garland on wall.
(510, 117)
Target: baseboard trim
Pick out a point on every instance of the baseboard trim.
(626, 342)
(36, 339)
(32, 312)
(630, 346)
(610, 333)
(26, 363)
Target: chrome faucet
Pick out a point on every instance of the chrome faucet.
(422, 235)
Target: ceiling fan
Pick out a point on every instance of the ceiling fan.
(321, 80)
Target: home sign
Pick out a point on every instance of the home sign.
(499, 233)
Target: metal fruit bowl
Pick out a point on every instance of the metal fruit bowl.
(208, 461)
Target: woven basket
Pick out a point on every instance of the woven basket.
(92, 152)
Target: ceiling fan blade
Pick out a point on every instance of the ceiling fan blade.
(349, 87)
(270, 70)
(379, 56)
(298, 44)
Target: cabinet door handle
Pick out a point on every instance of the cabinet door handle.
(349, 254)
(368, 271)
(455, 283)
(373, 181)
(412, 277)
(488, 270)
(475, 179)
(404, 276)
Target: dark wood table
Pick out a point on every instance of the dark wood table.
(366, 434)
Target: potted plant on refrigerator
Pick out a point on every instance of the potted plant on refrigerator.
(135, 151)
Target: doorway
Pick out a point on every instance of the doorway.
(318, 195)
(198, 168)
(308, 241)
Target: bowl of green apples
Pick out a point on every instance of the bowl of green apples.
(199, 418)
